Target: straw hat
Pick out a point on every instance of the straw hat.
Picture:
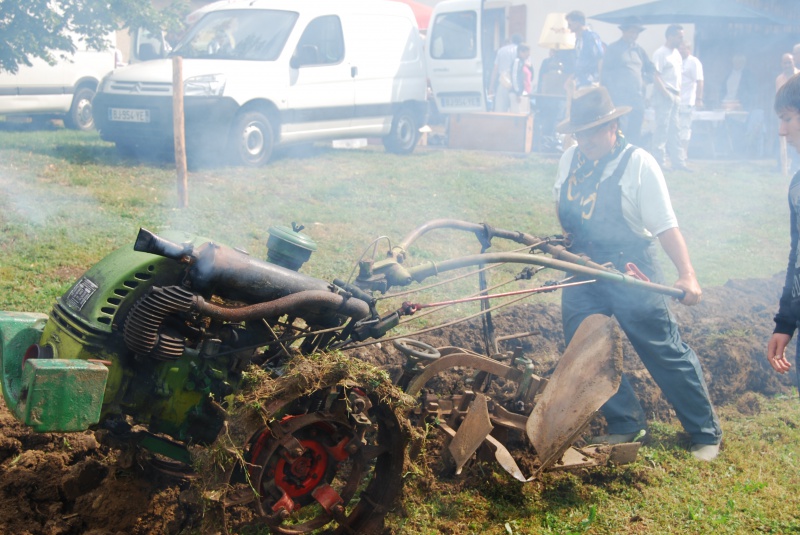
(590, 107)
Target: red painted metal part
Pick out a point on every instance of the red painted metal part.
(285, 503)
(327, 497)
(300, 476)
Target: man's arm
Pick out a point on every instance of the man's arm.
(700, 84)
(674, 245)
(699, 94)
(785, 322)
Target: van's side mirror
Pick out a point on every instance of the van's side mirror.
(305, 55)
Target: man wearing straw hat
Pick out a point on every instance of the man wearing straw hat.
(613, 204)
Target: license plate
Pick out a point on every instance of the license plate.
(461, 101)
(128, 115)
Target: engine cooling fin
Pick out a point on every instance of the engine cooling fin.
(143, 331)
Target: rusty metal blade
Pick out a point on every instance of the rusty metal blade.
(503, 456)
(587, 375)
(471, 433)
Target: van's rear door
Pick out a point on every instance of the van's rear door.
(455, 63)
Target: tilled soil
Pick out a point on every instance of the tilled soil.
(64, 484)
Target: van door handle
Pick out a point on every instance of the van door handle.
(353, 72)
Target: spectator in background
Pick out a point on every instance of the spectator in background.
(738, 93)
(550, 100)
(691, 94)
(625, 72)
(589, 50)
(500, 81)
(788, 69)
(666, 99)
(521, 80)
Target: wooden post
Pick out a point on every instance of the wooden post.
(179, 132)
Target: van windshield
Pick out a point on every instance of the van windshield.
(247, 34)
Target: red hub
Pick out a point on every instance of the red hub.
(300, 476)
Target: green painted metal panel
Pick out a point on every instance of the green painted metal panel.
(18, 331)
(60, 395)
(112, 285)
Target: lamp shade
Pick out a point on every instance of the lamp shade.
(556, 34)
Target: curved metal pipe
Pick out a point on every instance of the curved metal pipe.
(309, 300)
(424, 271)
(433, 224)
(489, 232)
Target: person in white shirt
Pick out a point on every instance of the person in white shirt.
(666, 99)
(500, 80)
(613, 204)
(796, 55)
(521, 81)
(691, 94)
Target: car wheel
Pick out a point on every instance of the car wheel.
(252, 139)
(404, 134)
(80, 114)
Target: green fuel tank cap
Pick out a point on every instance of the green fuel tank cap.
(288, 248)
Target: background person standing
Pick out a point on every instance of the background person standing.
(521, 81)
(589, 50)
(691, 95)
(500, 83)
(739, 93)
(666, 99)
(625, 72)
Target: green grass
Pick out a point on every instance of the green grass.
(66, 200)
(751, 488)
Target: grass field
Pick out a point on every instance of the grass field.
(66, 200)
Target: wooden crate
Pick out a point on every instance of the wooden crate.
(507, 132)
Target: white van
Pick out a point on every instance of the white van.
(63, 90)
(455, 56)
(263, 73)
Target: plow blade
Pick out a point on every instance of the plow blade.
(471, 433)
(587, 375)
(474, 431)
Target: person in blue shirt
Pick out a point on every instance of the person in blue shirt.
(589, 50)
